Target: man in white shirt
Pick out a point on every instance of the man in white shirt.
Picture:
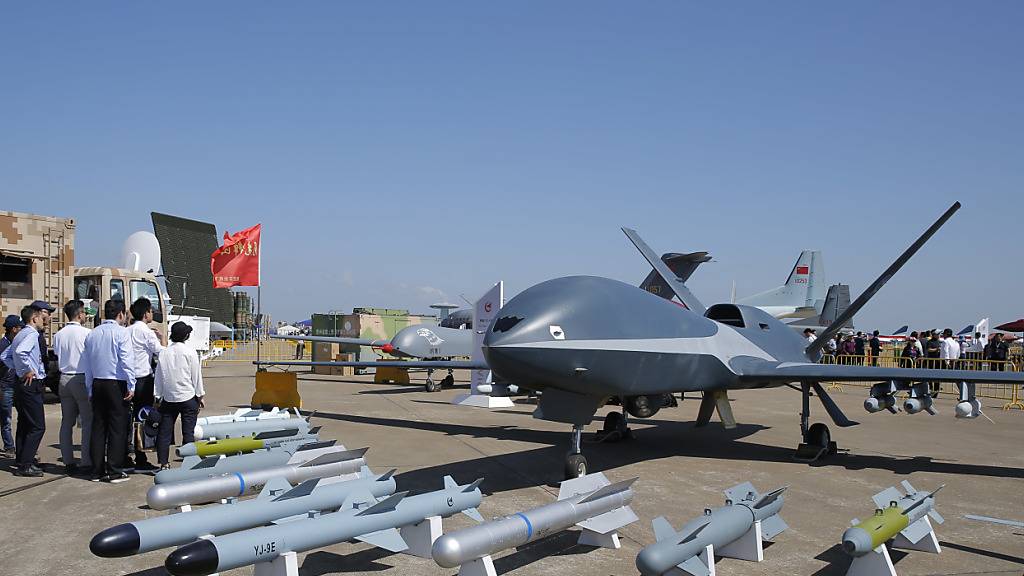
(110, 381)
(145, 345)
(179, 390)
(68, 345)
(950, 350)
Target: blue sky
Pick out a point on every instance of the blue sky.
(401, 153)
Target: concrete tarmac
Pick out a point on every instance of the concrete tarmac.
(47, 523)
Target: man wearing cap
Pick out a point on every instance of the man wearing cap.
(179, 390)
(8, 379)
(110, 382)
(145, 345)
(45, 310)
(68, 344)
(28, 392)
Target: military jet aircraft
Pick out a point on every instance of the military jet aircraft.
(581, 339)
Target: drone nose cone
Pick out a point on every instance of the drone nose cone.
(116, 542)
(196, 559)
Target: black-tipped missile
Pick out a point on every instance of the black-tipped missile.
(245, 444)
(735, 530)
(591, 502)
(360, 517)
(276, 501)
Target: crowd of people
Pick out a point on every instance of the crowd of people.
(927, 349)
(107, 383)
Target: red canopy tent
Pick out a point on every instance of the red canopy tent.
(1015, 326)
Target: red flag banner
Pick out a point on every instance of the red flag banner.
(803, 270)
(237, 262)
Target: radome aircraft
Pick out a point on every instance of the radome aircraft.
(583, 339)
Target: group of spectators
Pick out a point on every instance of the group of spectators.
(928, 349)
(107, 382)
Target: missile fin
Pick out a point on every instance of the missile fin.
(772, 526)
(936, 516)
(916, 531)
(885, 497)
(474, 514)
(608, 490)
(274, 487)
(450, 483)
(386, 505)
(923, 500)
(202, 464)
(769, 498)
(907, 487)
(694, 566)
(662, 529)
(308, 418)
(304, 489)
(470, 487)
(582, 485)
(387, 475)
(275, 434)
(316, 445)
(314, 431)
(611, 520)
(356, 498)
(693, 534)
(388, 539)
(744, 492)
(249, 414)
(332, 457)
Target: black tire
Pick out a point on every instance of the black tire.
(448, 381)
(613, 421)
(818, 435)
(432, 386)
(575, 466)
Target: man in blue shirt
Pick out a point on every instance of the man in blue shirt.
(8, 380)
(28, 393)
(110, 383)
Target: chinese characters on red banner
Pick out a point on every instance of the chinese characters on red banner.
(237, 262)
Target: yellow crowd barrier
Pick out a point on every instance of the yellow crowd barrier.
(993, 391)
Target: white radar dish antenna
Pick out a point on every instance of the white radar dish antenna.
(141, 252)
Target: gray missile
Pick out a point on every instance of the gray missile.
(591, 502)
(195, 467)
(360, 517)
(237, 484)
(277, 500)
(735, 530)
(245, 415)
(251, 443)
(249, 427)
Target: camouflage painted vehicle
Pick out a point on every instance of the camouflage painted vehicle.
(368, 323)
(37, 262)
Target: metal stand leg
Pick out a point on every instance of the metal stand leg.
(805, 410)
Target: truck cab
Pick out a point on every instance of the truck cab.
(95, 285)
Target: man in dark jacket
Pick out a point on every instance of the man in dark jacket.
(997, 351)
(933, 355)
(876, 348)
(858, 343)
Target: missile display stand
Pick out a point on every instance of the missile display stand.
(749, 547)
